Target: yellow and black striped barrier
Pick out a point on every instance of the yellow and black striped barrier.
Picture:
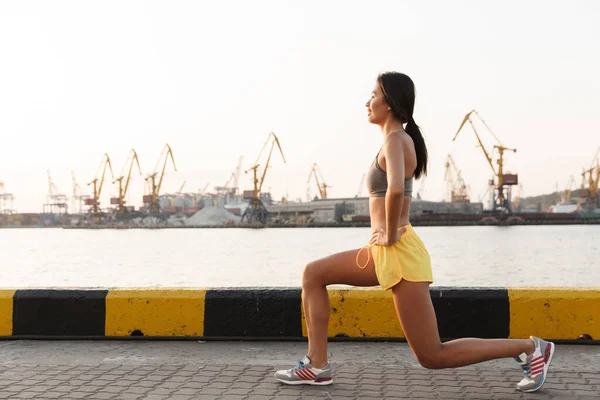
(276, 313)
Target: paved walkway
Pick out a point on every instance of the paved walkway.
(243, 370)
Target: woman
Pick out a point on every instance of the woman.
(397, 260)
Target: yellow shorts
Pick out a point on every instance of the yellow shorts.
(406, 259)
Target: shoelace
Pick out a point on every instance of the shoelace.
(297, 367)
(526, 367)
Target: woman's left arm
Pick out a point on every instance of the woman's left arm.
(394, 160)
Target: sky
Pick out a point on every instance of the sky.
(212, 79)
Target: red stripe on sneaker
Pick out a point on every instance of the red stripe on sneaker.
(302, 374)
(322, 380)
(308, 374)
(536, 373)
(537, 370)
(548, 351)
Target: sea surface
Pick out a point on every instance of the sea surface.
(475, 256)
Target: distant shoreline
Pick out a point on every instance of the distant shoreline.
(417, 220)
(595, 221)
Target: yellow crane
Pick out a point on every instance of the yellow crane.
(518, 197)
(152, 199)
(596, 183)
(503, 181)
(321, 185)
(566, 195)
(256, 211)
(457, 188)
(94, 202)
(591, 191)
(203, 190)
(120, 200)
(181, 188)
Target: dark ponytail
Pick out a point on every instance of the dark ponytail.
(399, 92)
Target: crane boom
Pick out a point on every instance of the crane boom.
(106, 163)
(257, 212)
(238, 170)
(182, 186)
(458, 187)
(51, 185)
(321, 185)
(152, 199)
(361, 185)
(264, 174)
(95, 201)
(202, 191)
(162, 173)
(137, 161)
(501, 202)
(487, 156)
(120, 200)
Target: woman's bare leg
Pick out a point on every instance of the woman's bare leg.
(417, 317)
(339, 268)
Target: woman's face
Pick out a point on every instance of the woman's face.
(377, 109)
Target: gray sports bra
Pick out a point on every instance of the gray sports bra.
(377, 181)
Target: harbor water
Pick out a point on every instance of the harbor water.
(474, 256)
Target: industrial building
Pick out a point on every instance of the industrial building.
(356, 209)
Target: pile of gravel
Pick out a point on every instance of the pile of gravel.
(212, 216)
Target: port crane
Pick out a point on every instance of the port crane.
(232, 184)
(457, 189)
(98, 184)
(6, 200)
(321, 185)
(180, 191)
(591, 191)
(78, 197)
(361, 185)
(256, 211)
(155, 181)
(119, 201)
(54, 199)
(203, 190)
(566, 196)
(503, 183)
(518, 197)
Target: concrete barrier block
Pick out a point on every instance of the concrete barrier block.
(155, 312)
(557, 313)
(6, 312)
